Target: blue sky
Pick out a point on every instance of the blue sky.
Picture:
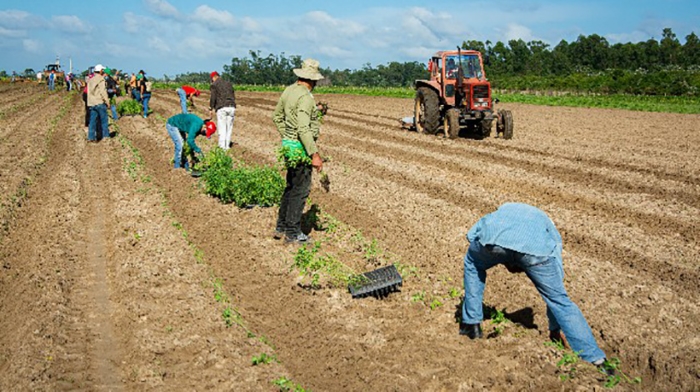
(177, 36)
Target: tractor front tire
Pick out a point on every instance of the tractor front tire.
(427, 111)
(452, 122)
(485, 128)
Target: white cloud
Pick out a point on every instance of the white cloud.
(69, 24)
(635, 36)
(516, 31)
(162, 8)
(17, 19)
(31, 45)
(338, 27)
(213, 18)
(250, 24)
(9, 33)
(157, 44)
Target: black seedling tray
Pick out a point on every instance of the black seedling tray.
(378, 283)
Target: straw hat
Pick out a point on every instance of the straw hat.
(309, 70)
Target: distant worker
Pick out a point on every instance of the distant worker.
(296, 118)
(223, 102)
(132, 86)
(187, 93)
(97, 101)
(186, 126)
(51, 80)
(524, 239)
(112, 90)
(14, 76)
(144, 86)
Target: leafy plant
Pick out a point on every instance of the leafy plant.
(310, 263)
(498, 318)
(289, 158)
(612, 365)
(287, 385)
(263, 359)
(418, 297)
(453, 293)
(129, 107)
(242, 185)
(435, 303)
(227, 315)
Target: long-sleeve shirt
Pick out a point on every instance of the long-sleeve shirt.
(97, 91)
(519, 227)
(189, 124)
(222, 95)
(296, 118)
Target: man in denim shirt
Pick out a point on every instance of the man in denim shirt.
(524, 239)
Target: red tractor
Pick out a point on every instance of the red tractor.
(458, 97)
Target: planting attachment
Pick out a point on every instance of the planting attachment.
(378, 283)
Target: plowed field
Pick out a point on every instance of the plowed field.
(118, 273)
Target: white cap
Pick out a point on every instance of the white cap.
(99, 68)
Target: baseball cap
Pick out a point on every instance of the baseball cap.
(196, 93)
(213, 74)
(99, 68)
(211, 128)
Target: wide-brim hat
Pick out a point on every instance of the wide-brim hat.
(309, 70)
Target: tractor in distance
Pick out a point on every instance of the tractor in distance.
(60, 75)
(458, 97)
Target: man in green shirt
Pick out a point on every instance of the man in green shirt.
(296, 119)
(189, 126)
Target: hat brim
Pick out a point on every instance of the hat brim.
(306, 74)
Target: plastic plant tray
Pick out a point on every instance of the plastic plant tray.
(378, 283)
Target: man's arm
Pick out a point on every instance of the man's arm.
(278, 117)
(191, 134)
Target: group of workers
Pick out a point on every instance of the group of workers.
(519, 236)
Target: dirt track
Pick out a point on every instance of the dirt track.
(109, 264)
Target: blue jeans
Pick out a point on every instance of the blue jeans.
(547, 274)
(145, 98)
(114, 112)
(136, 94)
(52, 85)
(98, 118)
(183, 100)
(176, 136)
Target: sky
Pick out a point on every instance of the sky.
(170, 37)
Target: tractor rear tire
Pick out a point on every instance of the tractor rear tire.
(452, 122)
(504, 126)
(427, 111)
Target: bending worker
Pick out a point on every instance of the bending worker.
(182, 127)
(187, 93)
(524, 239)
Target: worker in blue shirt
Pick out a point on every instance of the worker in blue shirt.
(524, 239)
(183, 127)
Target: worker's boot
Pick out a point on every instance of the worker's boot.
(473, 331)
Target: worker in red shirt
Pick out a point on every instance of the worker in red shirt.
(186, 93)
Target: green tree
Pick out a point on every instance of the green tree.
(669, 47)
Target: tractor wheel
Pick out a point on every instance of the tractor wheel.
(427, 111)
(504, 126)
(452, 122)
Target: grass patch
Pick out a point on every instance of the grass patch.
(311, 264)
(643, 103)
(287, 385)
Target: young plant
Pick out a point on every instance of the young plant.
(612, 366)
(263, 359)
(227, 315)
(129, 107)
(435, 303)
(287, 385)
(418, 297)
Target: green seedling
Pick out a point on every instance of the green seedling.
(453, 293)
(287, 385)
(499, 319)
(372, 252)
(263, 359)
(227, 316)
(613, 364)
(435, 303)
(418, 297)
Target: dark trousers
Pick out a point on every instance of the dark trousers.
(294, 199)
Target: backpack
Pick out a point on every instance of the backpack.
(149, 85)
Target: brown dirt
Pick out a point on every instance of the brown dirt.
(99, 289)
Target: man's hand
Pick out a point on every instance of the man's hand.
(317, 162)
